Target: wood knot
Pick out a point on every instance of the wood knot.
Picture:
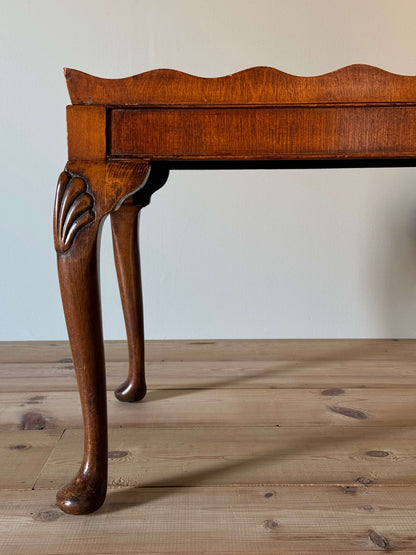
(268, 494)
(48, 515)
(33, 421)
(349, 489)
(364, 480)
(119, 482)
(35, 400)
(333, 391)
(271, 524)
(379, 540)
(376, 453)
(351, 413)
(116, 455)
(20, 447)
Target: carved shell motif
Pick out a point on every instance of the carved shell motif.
(74, 209)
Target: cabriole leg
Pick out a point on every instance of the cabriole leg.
(124, 223)
(87, 191)
(77, 234)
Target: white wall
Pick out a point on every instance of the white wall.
(224, 254)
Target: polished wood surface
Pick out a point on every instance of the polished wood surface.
(123, 137)
(256, 86)
(86, 192)
(264, 133)
(124, 226)
(78, 278)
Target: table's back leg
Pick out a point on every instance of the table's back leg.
(124, 223)
(77, 234)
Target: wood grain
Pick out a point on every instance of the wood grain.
(304, 455)
(335, 350)
(200, 520)
(86, 132)
(258, 85)
(23, 455)
(262, 134)
(342, 485)
(229, 407)
(43, 377)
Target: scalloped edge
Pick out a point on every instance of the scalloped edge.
(241, 71)
(356, 83)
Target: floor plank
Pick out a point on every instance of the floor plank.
(224, 349)
(287, 446)
(220, 407)
(198, 520)
(232, 456)
(40, 377)
(23, 455)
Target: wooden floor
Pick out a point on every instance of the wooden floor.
(239, 447)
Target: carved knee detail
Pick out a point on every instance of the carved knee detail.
(74, 209)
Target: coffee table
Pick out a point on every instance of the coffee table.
(124, 135)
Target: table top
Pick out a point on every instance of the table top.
(259, 115)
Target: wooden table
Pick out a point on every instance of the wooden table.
(124, 135)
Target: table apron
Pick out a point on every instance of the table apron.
(263, 133)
